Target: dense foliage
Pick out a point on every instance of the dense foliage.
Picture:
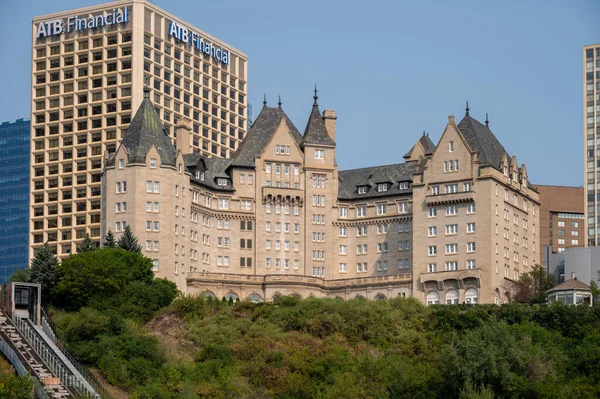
(320, 348)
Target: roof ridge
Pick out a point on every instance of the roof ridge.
(377, 166)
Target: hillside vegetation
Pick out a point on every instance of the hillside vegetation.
(114, 316)
(321, 348)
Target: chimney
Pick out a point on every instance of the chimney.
(573, 276)
(329, 117)
(183, 135)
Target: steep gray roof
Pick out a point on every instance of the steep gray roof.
(426, 143)
(481, 140)
(350, 180)
(259, 135)
(315, 132)
(144, 132)
(213, 168)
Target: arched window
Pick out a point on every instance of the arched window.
(433, 298)
(471, 296)
(380, 297)
(452, 297)
(208, 294)
(255, 298)
(232, 296)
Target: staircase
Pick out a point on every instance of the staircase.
(30, 350)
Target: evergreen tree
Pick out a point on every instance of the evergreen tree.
(20, 275)
(129, 241)
(43, 271)
(87, 245)
(109, 240)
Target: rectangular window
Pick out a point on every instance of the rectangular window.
(319, 154)
(223, 203)
(343, 213)
(470, 227)
(470, 208)
(361, 211)
(470, 247)
(471, 264)
(451, 229)
(451, 248)
(381, 209)
(432, 250)
(451, 210)
(450, 266)
(431, 267)
(432, 231)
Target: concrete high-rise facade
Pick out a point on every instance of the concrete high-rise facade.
(452, 223)
(591, 142)
(88, 69)
(14, 196)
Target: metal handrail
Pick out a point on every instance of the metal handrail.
(51, 359)
(85, 372)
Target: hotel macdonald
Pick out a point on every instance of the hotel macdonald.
(142, 123)
(453, 223)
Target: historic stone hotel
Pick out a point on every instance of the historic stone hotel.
(454, 222)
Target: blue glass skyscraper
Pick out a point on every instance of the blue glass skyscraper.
(14, 196)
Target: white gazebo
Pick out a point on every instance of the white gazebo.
(571, 292)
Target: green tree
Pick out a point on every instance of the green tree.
(20, 275)
(87, 245)
(89, 278)
(17, 387)
(533, 285)
(109, 240)
(43, 271)
(129, 241)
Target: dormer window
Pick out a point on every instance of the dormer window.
(403, 185)
(524, 182)
(121, 163)
(222, 182)
(362, 190)
(515, 176)
(153, 163)
(381, 187)
(505, 169)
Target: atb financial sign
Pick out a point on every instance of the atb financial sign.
(193, 39)
(76, 23)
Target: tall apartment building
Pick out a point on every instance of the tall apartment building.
(453, 223)
(89, 66)
(591, 132)
(14, 196)
(561, 218)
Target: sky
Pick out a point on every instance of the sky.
(390, 69)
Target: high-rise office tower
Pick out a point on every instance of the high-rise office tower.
(88, 69)
(591, 129)
(14, 196)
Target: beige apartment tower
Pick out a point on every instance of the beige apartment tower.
(591, 142)
(89, 66)
(456, 222)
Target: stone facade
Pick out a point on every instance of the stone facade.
(280, 218)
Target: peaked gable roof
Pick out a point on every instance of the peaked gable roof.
(260, 134)
(482, 141)
(426, 143)
(146, 131)
(315, 132)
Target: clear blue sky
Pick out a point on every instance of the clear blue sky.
(390, 69)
